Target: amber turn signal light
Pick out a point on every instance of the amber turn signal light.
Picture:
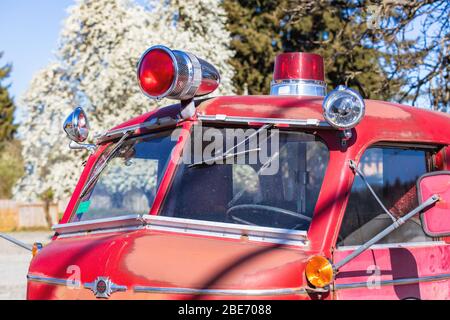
(36, 248)
(319, 271)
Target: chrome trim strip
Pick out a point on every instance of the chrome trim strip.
(395, 282)
(50, 280)
(395, 245)
(99, 231)
(121, 221)
(154, 123)
(222, 292)
(185, 226)
(111, 287)
(228, 230)
(229, 236)
(174, 290)
(292, 122)
(162, 123)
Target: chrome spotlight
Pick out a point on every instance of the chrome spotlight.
(343, 108)
(77, 126)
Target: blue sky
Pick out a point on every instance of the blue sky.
(29, 32)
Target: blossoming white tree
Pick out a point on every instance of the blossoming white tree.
(95, 68)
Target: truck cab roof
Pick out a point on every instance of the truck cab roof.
(384, 120)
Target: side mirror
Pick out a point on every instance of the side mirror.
(435, 220)
(77, 126)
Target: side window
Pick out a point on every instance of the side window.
(392, 172)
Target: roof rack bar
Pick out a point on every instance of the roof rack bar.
(293, 122)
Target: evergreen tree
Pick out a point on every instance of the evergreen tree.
(263, 28)
(11, 164)
(256, 38)
(11, 167)
(7, 107)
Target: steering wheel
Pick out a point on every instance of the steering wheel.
(262, 208)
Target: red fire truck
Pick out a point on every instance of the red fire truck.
(300, 194)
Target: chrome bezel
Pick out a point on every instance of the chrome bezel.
(333, 96)
(299, 87)
(194, 76)
(175, 64)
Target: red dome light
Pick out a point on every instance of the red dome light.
(298, 74)
(298, 65)
(156, 72)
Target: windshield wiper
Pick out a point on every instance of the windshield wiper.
(222, 158)
(95, 176)
(228, 153)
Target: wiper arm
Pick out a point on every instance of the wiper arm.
(94, 178)
(228, 153)
(222, 158)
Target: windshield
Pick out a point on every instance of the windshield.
(271, 179)
(129, 182)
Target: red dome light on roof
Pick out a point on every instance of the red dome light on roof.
(298, 65)
(298, 73)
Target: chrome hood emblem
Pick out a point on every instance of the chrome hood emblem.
(103, 287)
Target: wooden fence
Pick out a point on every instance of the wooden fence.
(15, 215)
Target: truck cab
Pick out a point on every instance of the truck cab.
(253, 197)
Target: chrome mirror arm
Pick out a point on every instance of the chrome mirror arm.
(187, 108)
(82, 146)
(16, 242)
(395, 225)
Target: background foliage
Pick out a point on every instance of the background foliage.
(95, 67)
(11, 165)
(7, 107)
(395, 50)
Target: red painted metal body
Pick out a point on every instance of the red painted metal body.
(164, 259)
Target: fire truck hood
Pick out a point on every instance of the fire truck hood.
(169, 260)
(160, 265)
